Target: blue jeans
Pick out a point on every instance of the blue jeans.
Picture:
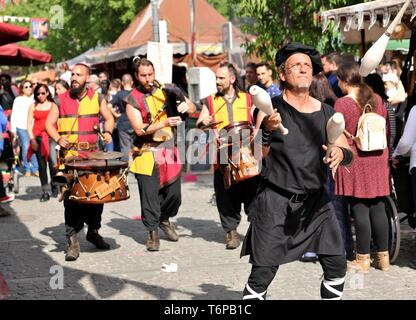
(24, 143)
(109, 147)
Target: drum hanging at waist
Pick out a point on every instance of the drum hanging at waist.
(95, 181)
(241, 163)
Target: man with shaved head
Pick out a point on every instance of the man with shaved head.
(71, 125)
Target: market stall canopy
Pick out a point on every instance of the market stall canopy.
(208, 32)
(372, 18)
(10, 33)
(85, 56)
(16, 55)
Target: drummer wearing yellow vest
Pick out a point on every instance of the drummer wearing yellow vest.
(153, 114)
(229, 105)
(71, 125)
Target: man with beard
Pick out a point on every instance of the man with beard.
(228, 106)
(153, 114)
(265, 78)
(292, 213)
(76, 116)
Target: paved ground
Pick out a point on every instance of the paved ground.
(32, 259)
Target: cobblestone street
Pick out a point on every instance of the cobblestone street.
(32, 242)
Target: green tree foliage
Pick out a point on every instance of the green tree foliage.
(276, 22)
(86, 23)
(222, 6)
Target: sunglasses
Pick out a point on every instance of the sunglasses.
(41, 93)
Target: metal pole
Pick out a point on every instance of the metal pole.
(192, 17)
(155, 19)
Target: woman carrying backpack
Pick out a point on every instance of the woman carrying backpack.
(367, 181)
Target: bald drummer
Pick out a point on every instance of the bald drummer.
(76, 116)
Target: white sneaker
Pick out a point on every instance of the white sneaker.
(7, 198)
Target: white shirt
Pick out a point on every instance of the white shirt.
(66, 76)
(407, 143)
(20, 112)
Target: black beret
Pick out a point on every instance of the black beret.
(294, 47)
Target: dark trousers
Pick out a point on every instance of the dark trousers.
(76, 214)
(126, 142)
(370, 219)
(260, 277)
(413, 178)
(342, 214)
(229, 200)
(2, 189)
(43, 174)
(158, 203)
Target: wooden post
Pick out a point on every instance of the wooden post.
(362, 44)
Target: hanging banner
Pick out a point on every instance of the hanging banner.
(39, 28)
(161, 56)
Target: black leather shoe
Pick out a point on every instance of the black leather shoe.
(97, 240)
(45, 197)
(55, 192)
(309, 257)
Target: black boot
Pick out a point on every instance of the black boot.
(72, 252)
(55, 191)
(94, 237)
(45, 197)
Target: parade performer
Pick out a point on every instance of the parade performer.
(229, 106)
(292, 212)
(153, 112)
(76, 116)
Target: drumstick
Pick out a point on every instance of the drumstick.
(334, 128)
(98, 131)
(262, 100)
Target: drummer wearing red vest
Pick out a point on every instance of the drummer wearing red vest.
(154, 113)
(76, 116)
(230, 105)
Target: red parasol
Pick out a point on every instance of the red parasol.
(16, 55)
(10, 33)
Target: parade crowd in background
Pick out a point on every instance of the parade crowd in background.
(356, 189)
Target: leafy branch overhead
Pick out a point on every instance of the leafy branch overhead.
(274, 23)
(100, 22)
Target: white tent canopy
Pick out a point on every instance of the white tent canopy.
(108, 55)
(370, 18)
(85, 56)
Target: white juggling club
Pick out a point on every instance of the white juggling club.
(262, 100)
(334, 128)
(374, 55)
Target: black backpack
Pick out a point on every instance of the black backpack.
(6, 100)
